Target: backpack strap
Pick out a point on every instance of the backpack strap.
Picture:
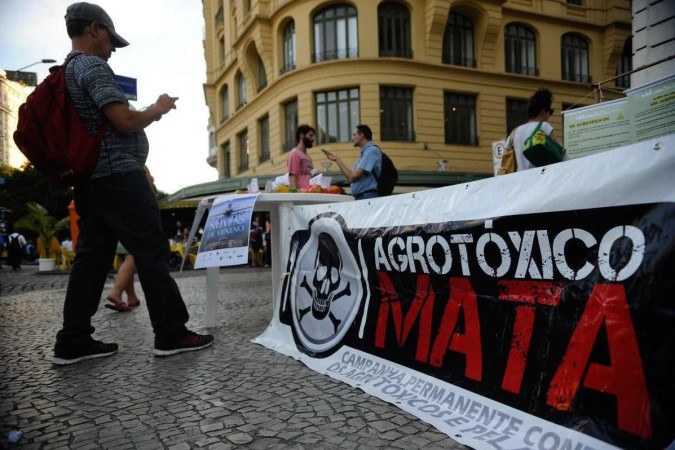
(533, 133)
(104, 124)
(381, 152)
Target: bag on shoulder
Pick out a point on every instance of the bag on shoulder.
(541, 150)
(388, 176)
(14, 246)
(508, 162)
(51, 134)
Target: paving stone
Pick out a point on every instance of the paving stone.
(240, 438)
(234, 394)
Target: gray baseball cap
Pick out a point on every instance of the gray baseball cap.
(89, 11)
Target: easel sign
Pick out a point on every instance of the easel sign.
(226, 234)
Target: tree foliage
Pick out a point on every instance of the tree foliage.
(29, 185)
(39, 221)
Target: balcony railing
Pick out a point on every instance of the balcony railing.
(342, 53)
(578, 77)
(459, 61)
(287, 68)
(523, 70)
(397, 53)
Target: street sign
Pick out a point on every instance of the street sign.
(127, 86)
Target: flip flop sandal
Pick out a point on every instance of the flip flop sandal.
(118, 308)
(135, 305)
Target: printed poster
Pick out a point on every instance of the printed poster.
(226, 234)
(596, 128)
(652, 107)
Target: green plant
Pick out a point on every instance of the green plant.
(39, 221)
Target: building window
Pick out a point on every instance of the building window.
(396, 117)
(625, 64)
(220, 17)
(221, 51)
(264, 124)
(516, 113)
(393, 21)
(460, 119)
(574, 2)
(574, 58)
(243, 150)
(291, 123)
(224, 104)
(335, 33)
(337, 114)
(241, 90)
(227, 171)
(289, 47)
(520, 48)
(458, 41)
(262, 75)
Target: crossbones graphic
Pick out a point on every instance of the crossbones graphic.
(326, 281)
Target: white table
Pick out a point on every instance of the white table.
(279, 206)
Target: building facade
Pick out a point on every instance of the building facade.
(12, 95)
(437, 80)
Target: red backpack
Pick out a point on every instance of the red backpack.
(51, 134)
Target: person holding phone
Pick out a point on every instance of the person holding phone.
(117, 202)
(363, 176)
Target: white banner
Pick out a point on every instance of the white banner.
(523, 311)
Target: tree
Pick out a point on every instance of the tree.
(29, 185)
(39, 221)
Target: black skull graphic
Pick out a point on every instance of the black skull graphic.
(326, 280)
(325, 287)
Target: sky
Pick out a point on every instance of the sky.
(165, 55)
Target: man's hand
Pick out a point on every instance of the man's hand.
(165, 103)
(126, 120)
(329, 155)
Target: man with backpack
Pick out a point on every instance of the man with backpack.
(116, 202)
(15, 250)
(367, 170)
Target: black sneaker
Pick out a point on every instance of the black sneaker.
(94, 349)
(187, 341)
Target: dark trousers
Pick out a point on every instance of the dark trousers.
(119, 207)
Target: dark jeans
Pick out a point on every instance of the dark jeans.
(119, 207)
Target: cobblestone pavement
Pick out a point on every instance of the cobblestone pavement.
(233, 394)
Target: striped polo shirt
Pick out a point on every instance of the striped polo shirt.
(91, 85)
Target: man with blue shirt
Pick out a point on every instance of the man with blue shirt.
(363, 177)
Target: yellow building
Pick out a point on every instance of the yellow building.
(437, 80)
(12, 95)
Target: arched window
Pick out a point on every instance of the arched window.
(262, 75)
(224, 104)
(335, 33)
(241, 90)
(520, 47)
(458, 41)
(289, 47)
(393, 21)
(243, 150)
(625, 64)
(574, 58)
